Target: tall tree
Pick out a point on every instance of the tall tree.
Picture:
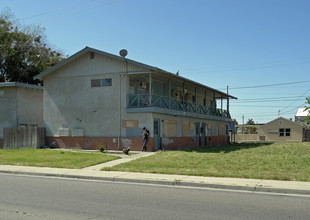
(250, 122)
(24, 51)
(307, 108)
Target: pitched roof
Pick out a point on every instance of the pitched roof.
(22, 85)
(301, 112)
(151, 68)
(281, 118)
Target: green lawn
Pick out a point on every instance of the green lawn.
(52, 158)
(279, 161)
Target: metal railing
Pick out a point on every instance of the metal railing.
(145, 100)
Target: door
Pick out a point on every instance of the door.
(197, 132)
(156, 130)
(203, 134)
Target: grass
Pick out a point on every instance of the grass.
(52, 158)
(278, 161)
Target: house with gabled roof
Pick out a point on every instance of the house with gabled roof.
(94, 97)
(277, 130)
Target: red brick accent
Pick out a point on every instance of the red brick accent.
(91, 143)
(1, 142)
(216, 140)
(135, 144)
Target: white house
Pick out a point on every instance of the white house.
(94, 97)
(301, 114)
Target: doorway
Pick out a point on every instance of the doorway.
(156, 130)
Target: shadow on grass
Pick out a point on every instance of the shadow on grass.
(226, 148)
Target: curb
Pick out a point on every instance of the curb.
(169, 183)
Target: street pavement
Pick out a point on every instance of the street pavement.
(94, 172)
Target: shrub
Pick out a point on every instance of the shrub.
(101, 148)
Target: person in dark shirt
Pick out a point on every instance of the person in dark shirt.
(145, 135)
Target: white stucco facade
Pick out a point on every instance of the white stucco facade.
(20, 105)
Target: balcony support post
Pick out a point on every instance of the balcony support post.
(150, 89)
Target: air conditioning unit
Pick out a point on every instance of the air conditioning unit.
(142, 84)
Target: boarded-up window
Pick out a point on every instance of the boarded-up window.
(95, 83)
(185, 128)
(191, 126)
(222, 130)
(169, 128)
(212, 129)
(130, 124)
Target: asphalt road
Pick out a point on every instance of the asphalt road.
(30, 197)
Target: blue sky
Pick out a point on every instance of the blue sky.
(220, 43)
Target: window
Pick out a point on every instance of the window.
(285, 132)
(106, 82)
(95, 83)
(288, 132)
(101, 82)
(92, 55)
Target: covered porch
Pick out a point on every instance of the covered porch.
(156, 90)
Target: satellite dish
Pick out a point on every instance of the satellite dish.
(123, 53)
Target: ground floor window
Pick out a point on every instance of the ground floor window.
(285, 132)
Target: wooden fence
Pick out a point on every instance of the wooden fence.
(23, 137)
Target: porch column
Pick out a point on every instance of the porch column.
(227, 104)
(221, 103)
(150, 89)
(169, 89)
(206, 101)
(195, 98)
(183, 96)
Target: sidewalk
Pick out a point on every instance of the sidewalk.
(93, 172)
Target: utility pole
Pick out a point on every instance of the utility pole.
(227, 103)
(243, 119)
(278, 113)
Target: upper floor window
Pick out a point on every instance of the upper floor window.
(101, 82)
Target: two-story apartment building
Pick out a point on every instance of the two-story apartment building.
(94, 97)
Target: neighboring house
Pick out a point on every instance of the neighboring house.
(94, 97)
(301, 114)
(278, 130)
(20, 105)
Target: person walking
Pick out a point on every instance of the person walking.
(145, 135)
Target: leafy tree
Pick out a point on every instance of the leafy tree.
(24, 51)
(307, 108)
(250, 122)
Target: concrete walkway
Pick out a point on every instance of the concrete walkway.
(93, 172)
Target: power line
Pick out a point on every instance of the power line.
(302, 96)
(59, 9)
(267, 85)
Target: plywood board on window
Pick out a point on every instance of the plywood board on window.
(169, 128)
(185, 128)
(129, 123)
(191, 126)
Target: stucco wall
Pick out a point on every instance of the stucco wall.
(30, 106)
(296, 131)
(20, 105)
(8, 107)
(71, 102)
(270, 132)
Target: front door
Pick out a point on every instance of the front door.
(156, 130)
(197, 132)
(203, 134)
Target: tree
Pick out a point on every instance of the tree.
(307, 108)
(24, 51)
(250, 122)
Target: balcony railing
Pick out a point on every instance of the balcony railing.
(142, 101)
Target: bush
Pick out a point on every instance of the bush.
(101, 148)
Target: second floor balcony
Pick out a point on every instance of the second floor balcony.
(170, 103)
